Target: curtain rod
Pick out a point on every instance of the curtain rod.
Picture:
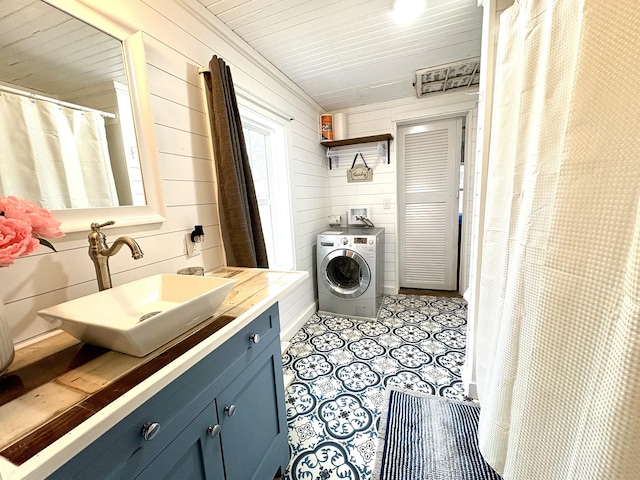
(247, 96)
(35, 96)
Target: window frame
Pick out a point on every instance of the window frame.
(280, 247)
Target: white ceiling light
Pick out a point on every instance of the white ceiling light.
(406, 11)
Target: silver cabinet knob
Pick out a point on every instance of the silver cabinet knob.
(213, 431)
(150, 430)
(230, 410)
(254, 338)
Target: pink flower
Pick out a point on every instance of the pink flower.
(42, 222)
(16, 239)
(23, 226)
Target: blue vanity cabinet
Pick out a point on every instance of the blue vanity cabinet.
(223, 419)
(195, 454)
(253, 420)
(241, 435)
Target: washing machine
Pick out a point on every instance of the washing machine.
(350, 271)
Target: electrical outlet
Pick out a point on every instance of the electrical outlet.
(386, 203)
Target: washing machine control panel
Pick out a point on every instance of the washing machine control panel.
(352, 240)
(361, 243)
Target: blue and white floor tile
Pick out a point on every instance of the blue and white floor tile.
(342, 367)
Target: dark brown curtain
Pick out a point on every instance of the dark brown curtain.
(239, 217)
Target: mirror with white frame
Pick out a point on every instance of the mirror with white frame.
(74, 90)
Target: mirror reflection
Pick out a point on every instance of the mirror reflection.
(67, 137)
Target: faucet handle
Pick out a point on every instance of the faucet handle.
(97, 226)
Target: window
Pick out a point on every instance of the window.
(266, 147)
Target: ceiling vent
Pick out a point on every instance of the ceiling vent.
(447, 77)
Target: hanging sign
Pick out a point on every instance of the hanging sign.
(359, 173)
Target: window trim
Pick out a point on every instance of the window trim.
(257, 119)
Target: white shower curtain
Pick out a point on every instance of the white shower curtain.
(558, 345)
(55, 156)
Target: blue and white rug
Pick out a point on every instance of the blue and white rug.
(429, 437)
(342, 367)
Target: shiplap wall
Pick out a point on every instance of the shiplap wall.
(177, 42)
(384, 117)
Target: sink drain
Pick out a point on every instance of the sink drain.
(149, 315)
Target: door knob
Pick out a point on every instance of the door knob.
(150, 430)
(213, 430)
(254, 338)
(230, 410)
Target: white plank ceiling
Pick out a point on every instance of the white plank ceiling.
(345, 53)
(46, 51)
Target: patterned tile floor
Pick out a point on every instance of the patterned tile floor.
(342, 366)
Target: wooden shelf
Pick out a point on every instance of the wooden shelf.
(385, 137)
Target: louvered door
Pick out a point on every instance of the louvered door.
(429, 164)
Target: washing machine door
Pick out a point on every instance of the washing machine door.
(345, 273)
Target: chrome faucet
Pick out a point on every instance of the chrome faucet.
(100, 252)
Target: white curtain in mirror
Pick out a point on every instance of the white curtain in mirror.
(37, 135)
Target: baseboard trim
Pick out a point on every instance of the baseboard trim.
(292, 327)
(468, 382)
(433, 293)
(471, 390)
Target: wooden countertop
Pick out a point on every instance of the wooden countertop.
(59, 391)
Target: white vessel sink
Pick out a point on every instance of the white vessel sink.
(140, 316)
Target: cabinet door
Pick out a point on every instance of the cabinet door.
(254, 428)
(194, 454)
